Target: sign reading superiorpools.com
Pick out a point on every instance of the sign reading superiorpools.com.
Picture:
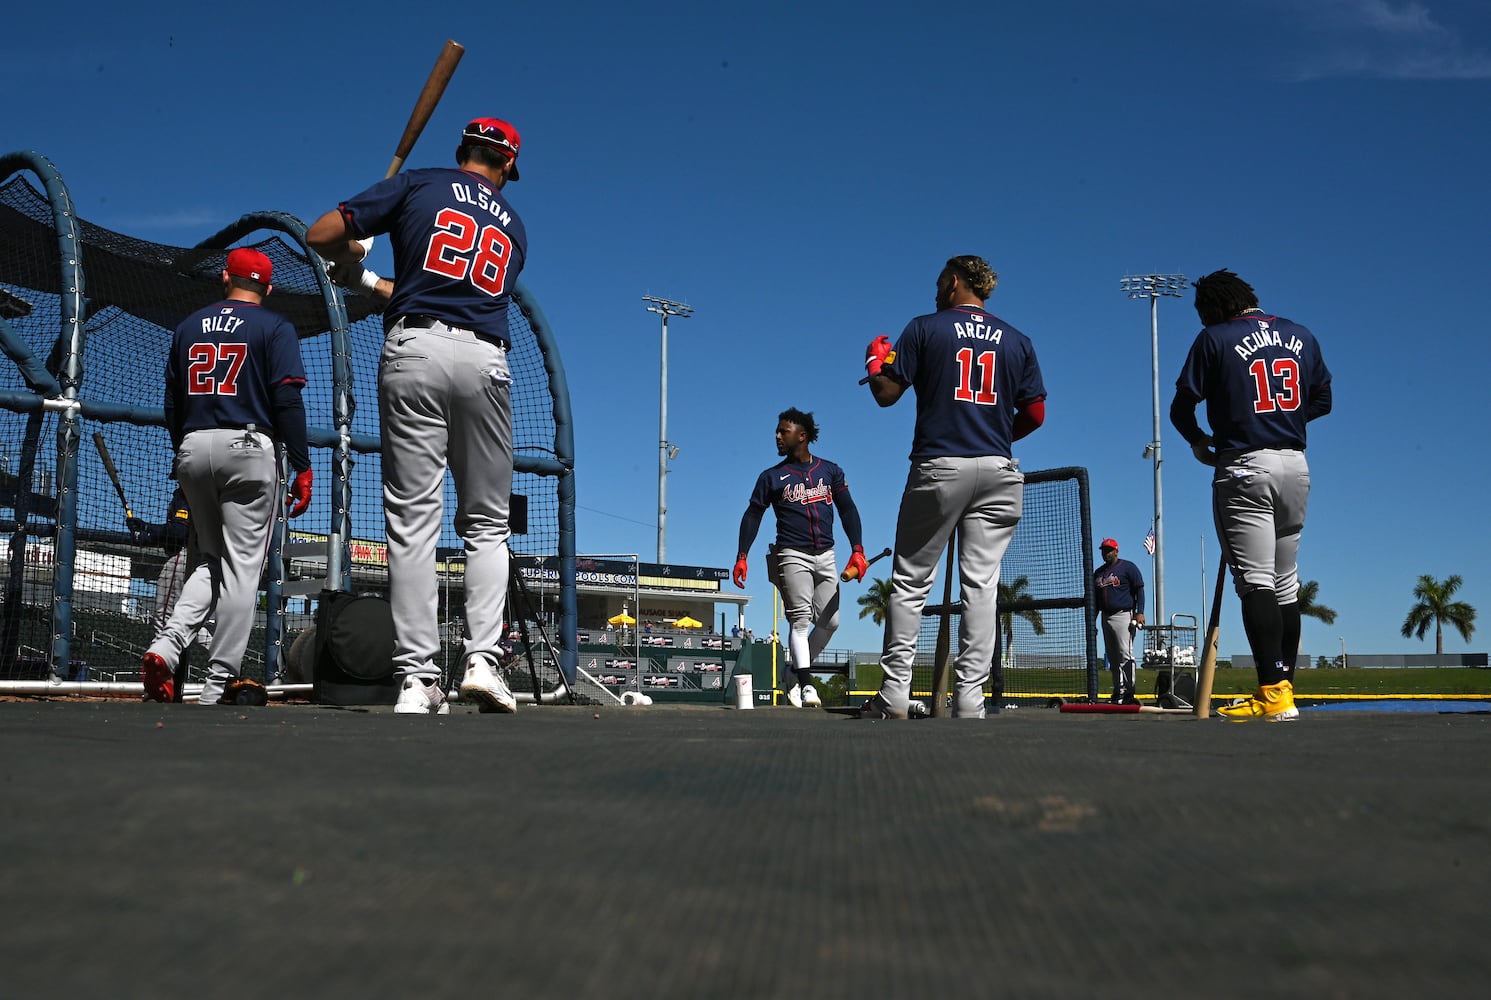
(624, 573)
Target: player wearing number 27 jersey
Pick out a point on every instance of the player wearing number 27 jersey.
(444, 393)
(1263, 379)
(978, 389)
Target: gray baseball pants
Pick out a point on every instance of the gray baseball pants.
(231, 482)
(810, 600)
(1259, 499)
(1118, 642)
(168, 590)
(444, 399)
(983, 499)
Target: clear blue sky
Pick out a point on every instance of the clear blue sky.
(798, 172)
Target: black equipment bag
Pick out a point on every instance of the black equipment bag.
(354, 650)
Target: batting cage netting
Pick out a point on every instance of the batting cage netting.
(1047, 641)
(86, 318)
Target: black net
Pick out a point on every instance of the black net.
(135, 293)
(1045, 638)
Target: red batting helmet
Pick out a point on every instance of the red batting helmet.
(497, 134)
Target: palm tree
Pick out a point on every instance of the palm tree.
(1009, 593)
(1434, 605)
(1307, 606)
(874, 602)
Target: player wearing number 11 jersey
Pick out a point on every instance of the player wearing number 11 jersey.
(978, 389)
(1262, 378)
(444, 393)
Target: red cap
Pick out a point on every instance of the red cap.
(246, 262)
(1109, 543)
(496, 133)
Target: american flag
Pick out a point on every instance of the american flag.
(1149, 541)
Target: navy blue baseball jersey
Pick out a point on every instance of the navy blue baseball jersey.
(459, 268)
(971, 370)
(225, 361)
(803, 495)
(1118, 587)
(1262, 377)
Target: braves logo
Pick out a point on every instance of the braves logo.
(804, 494)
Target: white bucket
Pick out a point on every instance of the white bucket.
(743, 696)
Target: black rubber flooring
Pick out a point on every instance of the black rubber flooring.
(293, 850)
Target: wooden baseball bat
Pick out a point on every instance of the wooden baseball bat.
(103, 453)
(445, 68)
(1208, 671)
(1104, 709)
(850, 574)
(944, 638)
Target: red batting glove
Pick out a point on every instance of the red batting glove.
(857, 566)
(878, 353)
(300, 493)
(740, 571)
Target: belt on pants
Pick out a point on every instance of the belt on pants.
(418, 322)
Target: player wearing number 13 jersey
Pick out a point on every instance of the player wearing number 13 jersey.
(1262, 378)
(978, 389)
(444, 393)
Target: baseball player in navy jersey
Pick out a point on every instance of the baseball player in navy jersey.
(233, 384)
(1119, 589)
(978, 389)
(444, 393)
(1263, 379)
(803, 490)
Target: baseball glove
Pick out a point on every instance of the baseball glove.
(244, 691)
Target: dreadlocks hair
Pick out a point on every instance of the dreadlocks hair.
(1221, 295)
(976, 274)
(804, 420)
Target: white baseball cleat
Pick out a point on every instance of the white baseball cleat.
(794, 696)
(486, 686)
(810, 697)
(421, 696)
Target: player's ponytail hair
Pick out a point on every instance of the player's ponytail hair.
(804, 420)
(976, 274)
(1221, 295)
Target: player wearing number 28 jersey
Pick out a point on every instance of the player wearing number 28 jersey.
(1262, 378)
(444, 393)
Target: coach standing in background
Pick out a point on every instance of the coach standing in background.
(1119, 589)
(1262, 378)
(978, 389)
(444, 393)
(233, 384)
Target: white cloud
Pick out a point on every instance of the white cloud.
(1387, 39)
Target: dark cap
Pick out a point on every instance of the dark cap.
(497, 134)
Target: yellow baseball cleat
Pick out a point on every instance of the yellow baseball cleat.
(1272, 703)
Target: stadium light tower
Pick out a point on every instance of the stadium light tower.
(665, 450)
(1152, 287)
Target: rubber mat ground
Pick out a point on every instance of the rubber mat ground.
(183, 851)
